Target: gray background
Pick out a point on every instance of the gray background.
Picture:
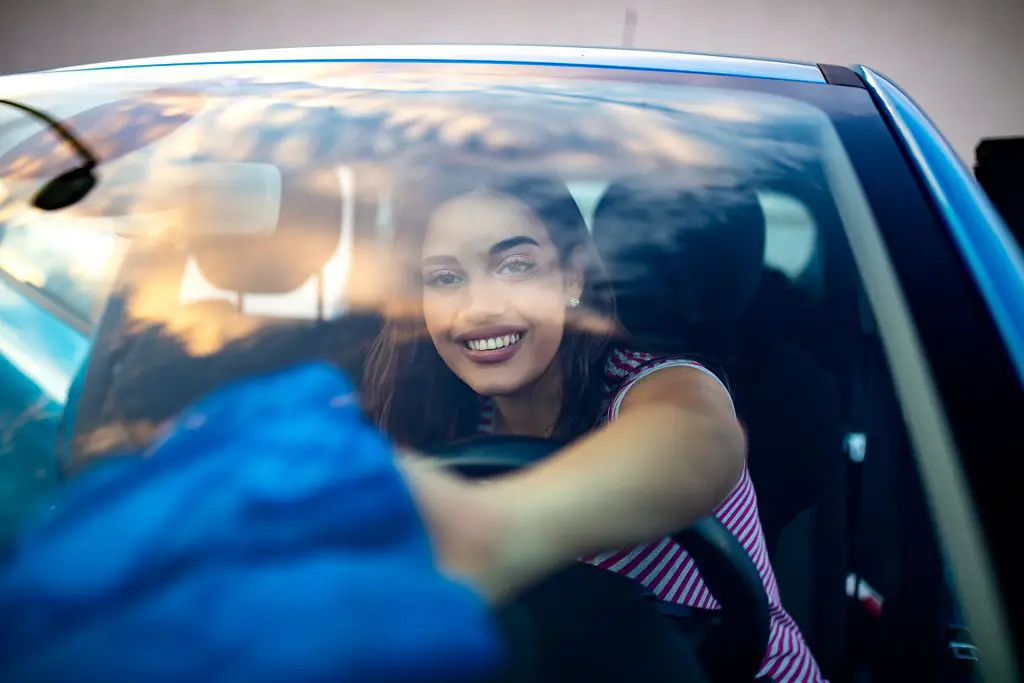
(962, 60)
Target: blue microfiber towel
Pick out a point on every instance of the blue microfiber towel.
(266, 537)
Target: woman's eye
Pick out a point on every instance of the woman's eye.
(516, 266)
(443, 278)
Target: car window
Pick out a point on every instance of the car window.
(789, 247)
(69, 266)
(197, 194)
(283, 218)
(791, 233)
(587, 194)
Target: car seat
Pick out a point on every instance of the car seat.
(145, 365)
(685, 262)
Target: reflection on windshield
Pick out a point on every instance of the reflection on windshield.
(110, 131)
(71, 265)
(240, 205)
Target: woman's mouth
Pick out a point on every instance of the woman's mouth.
(493, 343)
(491, 347)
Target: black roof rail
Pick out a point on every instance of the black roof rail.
(840, 75)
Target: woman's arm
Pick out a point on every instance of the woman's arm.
(673, 454)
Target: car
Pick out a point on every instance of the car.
(172, 224)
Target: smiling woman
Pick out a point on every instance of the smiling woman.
(532, 245)
(516, 329)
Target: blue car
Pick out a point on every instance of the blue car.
(802, 229)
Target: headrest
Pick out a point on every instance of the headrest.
(309, 214)
(682, 259)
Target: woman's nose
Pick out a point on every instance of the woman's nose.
(484, 301)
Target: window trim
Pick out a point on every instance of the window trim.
(515, 55)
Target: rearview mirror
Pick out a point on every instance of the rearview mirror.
(206, 199)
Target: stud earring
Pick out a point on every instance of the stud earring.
(574, 302)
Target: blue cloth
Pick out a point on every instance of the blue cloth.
(266, 537)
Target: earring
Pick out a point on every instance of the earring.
(574, 302)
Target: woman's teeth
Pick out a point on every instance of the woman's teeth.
(493, 343)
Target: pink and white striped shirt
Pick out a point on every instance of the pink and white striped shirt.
(666, 569)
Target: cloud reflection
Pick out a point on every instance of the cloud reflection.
(110, 131)
(382, 123)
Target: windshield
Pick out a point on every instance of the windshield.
(251, 216)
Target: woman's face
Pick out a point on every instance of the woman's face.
(494, 294)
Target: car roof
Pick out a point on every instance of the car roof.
(594, 57)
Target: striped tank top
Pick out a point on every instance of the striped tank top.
(665, 569)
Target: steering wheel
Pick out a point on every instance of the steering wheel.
(731, 647)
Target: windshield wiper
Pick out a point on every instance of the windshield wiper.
(71, 186)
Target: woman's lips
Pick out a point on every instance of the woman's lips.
(492, 356)
(477, 345)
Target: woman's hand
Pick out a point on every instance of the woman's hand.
(465, 524)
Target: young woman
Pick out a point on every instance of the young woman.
(512, 332)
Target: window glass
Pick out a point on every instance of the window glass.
(321, 294)
(334, 178)
(790, 232)
(791, 236)
(587, 194)
(70, 265)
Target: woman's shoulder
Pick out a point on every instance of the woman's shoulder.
(625, 366)
(624, 363)
(621, 362)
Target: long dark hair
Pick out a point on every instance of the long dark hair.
(409, 391)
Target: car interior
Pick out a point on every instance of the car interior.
(756, 280)
(793, 350)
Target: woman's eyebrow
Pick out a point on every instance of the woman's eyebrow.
(496, 248)
(429, 261)
(512, 242)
